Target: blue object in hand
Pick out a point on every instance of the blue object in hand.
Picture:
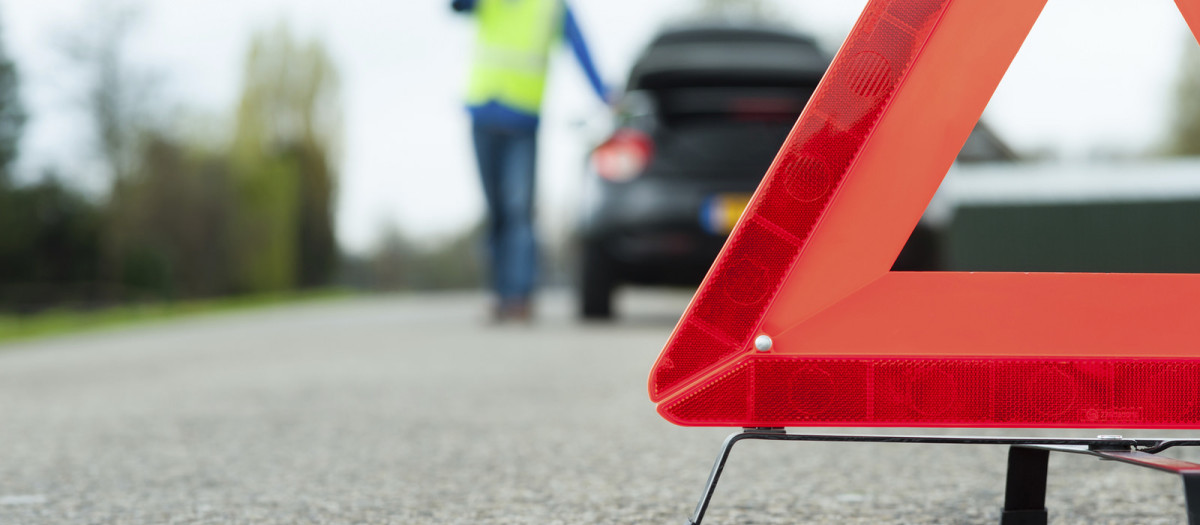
(463, 5)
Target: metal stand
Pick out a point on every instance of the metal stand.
(1025, 489)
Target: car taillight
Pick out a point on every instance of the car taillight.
(623, 156)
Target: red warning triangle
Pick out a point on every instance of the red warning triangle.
(801, 323)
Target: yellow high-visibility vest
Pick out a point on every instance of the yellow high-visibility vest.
(512, 51)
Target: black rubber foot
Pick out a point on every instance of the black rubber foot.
(1023, 517)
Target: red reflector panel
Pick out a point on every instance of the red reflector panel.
(728, 309)
(970, 392)
(797, 189)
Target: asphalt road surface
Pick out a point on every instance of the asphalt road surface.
(411, 410)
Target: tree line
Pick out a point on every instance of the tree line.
(247, 209)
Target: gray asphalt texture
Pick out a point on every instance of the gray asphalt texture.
(411, 410)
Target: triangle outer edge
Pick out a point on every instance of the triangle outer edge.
(853, 177)
(856, 345)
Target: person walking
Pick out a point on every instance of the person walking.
(504, 97)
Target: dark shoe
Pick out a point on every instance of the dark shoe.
(520, 311)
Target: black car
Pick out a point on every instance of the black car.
(705, 112)
(703, 116)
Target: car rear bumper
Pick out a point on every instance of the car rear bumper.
(661, 256)
(655, 231)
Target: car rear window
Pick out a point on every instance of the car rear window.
(728, 57)
(740, 104)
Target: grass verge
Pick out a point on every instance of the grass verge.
(67, 321)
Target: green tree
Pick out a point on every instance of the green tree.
(285, 150)
(120, 102)
(1185, 127)
(12, 115)
(49, 246)
(119, 97)
(172, 221)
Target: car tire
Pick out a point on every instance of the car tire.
(596, 285)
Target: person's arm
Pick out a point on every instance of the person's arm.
(463, 6)
(575, 38)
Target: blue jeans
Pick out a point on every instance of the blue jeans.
(507, 163)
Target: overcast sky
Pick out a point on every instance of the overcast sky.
(1093, 75)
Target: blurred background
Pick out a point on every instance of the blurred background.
(181, 155)
(155, 150)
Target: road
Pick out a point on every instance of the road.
(412, 410)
